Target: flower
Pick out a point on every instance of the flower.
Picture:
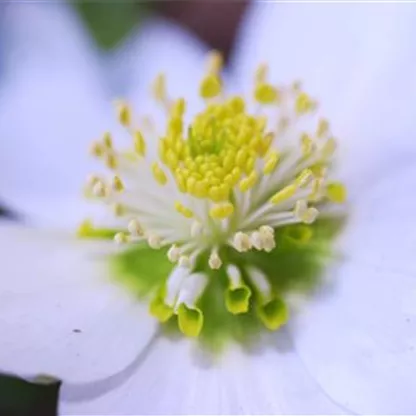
(216, 194)
(351, 349)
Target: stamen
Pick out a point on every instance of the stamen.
(336, 192)
(135, 228)
(241, 242)
(154, 241)
(174, 253)
(123, 113)
(236, 180)
(121, 238)
(214, 260)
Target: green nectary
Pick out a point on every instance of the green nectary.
(296, 265)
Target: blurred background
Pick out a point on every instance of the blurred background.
(214, 22)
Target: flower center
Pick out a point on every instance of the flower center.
(226, 183)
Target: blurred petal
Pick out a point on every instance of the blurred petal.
(160, 46)
(359, 339)
(357, 59)
(60, 312)
(52, 104)
(176, 378)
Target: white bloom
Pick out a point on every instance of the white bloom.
(353, 346)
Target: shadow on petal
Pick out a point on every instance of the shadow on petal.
(79, 392)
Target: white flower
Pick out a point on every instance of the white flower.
(349, 350)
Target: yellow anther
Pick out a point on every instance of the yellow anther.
(249, 166)
(119, 210)
(307, 144)
(265, 144)
(214, 261)
(241, 158)
(118, 184)
(248, 182)
(328, 148)
(135, 228)
(215, 193)
(271, 163)
(85, 229)
(190, 184)
(174, 253)
(178, 108)
(111, 161)
(121, 238)
(159, 88)
(215, 62)
(139, 143)
(97, 149)
(237, 104)
(284, 194)
(92, 180)
(210, 87)
(323, 128)
(261, 74)
(171, 159)
(175, 126)
(319, 170)
(221, 211)
(123, 113)
(336, 192)
(304, 104)
(266, 94)
(186, 212)
(107, 140)
(228, 161)
(261, 123)
(158, 174)
(304, 178)
(184, 261)
(224, 191)
(201, 189)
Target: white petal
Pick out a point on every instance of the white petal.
(359, 337)
(176, 377)
(61, 314)
(52, 104)
(357, 59)
(160, 46)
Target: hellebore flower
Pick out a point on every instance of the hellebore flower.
(228, 230)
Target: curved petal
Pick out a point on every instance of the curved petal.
(177, 378)
(60, 312)
(357, 59)
(359, 339)
(52, 104)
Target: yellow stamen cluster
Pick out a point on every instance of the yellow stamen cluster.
(230, 177)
